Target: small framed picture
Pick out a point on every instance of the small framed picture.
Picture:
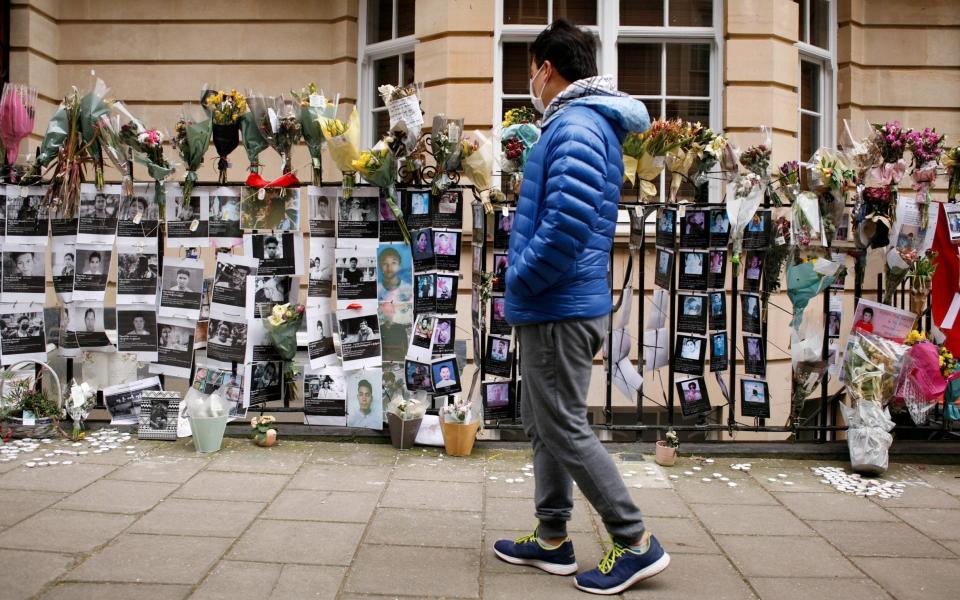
(416, 208)
(693, 396)
(754, 359)
(753, 271)
(446, 249)
(719, 356)
(843, 237)
(498, 400)
(750, 313)
(448, 209)
(499, 359)
(693, 313)
(756, 235)
(689, 353)
(499, 272)
(498, 316)
(717, 277)
(719, 228)
(158, 415)
(446, 376)
(418, 376)
(718, 310)
(425, 299)
(952, 213)
(754, 398)
(504, 224)
(479, 222)
(423, 254)
(663, 277)
(693, 270)
(693, 229)
(666, 223)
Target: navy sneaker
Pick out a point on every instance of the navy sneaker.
(622, 567)
(527, 550)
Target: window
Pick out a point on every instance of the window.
(386, 51)
(817, 91)
(542, 12)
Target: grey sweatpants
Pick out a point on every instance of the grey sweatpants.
(556, 361)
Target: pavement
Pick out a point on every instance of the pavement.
(342, 520)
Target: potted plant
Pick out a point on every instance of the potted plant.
(264, 430)
(27, 408)
(667, 449)
(459, 426)
(404, 417)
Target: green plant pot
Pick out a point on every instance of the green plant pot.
(208, 432)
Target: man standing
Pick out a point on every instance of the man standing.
(558, 298)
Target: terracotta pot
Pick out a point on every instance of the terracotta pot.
(458, 438)
(666, 455)
(403, 433)
(265, 440)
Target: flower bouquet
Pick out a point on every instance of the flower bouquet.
(252, 140)
(808, 366)
(379, 166)
(926, 147)
(406, 116)
(459, 424)
(830, 178)
(264, 430)
(191, 138)
(805, 280)
(108, 130)
(278, 124)
(704, 150)
(921, 281)
(756, 160)
(312, 107)
(404, 416)
(788, 181)
(744, 195)
(886, 146)
(225, 109)
(147, 148)
(343, 142)
(477, 161)
(445, 137)
(921, 382)
(640, 168)
(951, 161)
(520, 134)
(81, 401)
(17, 112)
(281, 327)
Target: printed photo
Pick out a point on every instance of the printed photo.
(718, 310)
(479, 221)
(504, 224)
(364, 399)
(417, 209)
(753, 271)
(224, 216)
(64, 266)
(99, 213)
(358, 216)
(693, 270)
(322, 203)
(359, 339)
(663, 277)
(137, 331)
(139, 214)
(498, 316)
(423, 254)
(276, 254)
(497, 400)
(356, 274)
(395, 283)
(269, 291)
(666, 222)
(227, 341)
(499, 272)
(689, 352)
(750, 313)
(754, 398)
(396, 326)
(24, 270)
(717, 277)
(756, 234)
(93, 266)
(693, 313)
(446, 376)
(693, 396)
(444, 335)
(123, 400)
(86, 323)
(446, 293)
(187, 218)
(425, 300)
(22, 336)
(320, 275)
(421, 343)
(449, 209)
(230, 283)
(325, 397)
(181, 288)
(446, 249)
(499, 358)
(278, 209)
(418, 376)
(320, 335)
(137, 275)
(266, 382)
(26, 218)
(693, 229)
(883, 320)
(719, 228)
(719, 360)
(753, 356)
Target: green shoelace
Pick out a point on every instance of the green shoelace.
(610, 558)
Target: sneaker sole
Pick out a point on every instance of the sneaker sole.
(552, 568)
(654, 569)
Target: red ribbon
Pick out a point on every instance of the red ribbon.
(284, 181)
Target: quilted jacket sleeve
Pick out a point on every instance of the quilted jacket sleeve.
(576, 171)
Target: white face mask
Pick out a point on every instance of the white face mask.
(535, 98)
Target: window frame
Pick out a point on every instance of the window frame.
(826, 59)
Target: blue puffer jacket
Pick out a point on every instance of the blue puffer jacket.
(567, 212)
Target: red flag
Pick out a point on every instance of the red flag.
(946, 281)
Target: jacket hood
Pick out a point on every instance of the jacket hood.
(628, 115)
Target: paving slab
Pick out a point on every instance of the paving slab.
(396, 570)
(749, 520)
(411, 527)
(469, 473)
(879, 539)
(161, 470)
(681, 536)
(252, 487)
(499, 488)
(341, 478)
(182, 516)
(67, 480)
(26, 573)
(232, 580)
(693, 490)
(336, 507)
(805, 588)
(17, 505)
(64, 531)
(833, 506)
(139, 558)
(936, 523)
(921, 497)
(116, 591)
(694, 576)
(660, 503)
(586, 546)
(115, 496)
(372, 455)
(518, 514)
(300, 582)
(299, 542)
(772, 556)
(283, 459)
(913, 578)
(508, 586)
(433, 495)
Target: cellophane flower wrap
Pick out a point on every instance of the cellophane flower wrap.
(116, 150)
(406, 116)
(281, 326)
(703, 150)
(477, 160)
(277, 120)
(830, 178)
(17, 113)
(805, 280)
(92, 106)
(378, 165)
(253, 142)
(191, 138)
(312, 107)
(343, 143)
(871, 366)
(520, 134)
(458, 411)
(926, 147)
(445, 138)
(886, 146)
(744, 195)
(788, 181)
(406, 409)
(226, 109)
(808, 365)
(921, 383)
(79, 402)
(951, 161)
(146, 146)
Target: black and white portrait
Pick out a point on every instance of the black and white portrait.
(99, 213)
(137, 330)
(93, 266)
(22, 336)
(181, 288)
(187, 218)
(689, 352)
(356, 273)
(24, 269)
(359, 339)
(693, 270)
(276, 253)
(226, 341)
(224, 216)
(358, 216)
(422, 246)
(322, 203)
(693, 313)
(137, 274)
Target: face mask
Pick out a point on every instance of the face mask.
(535, 98)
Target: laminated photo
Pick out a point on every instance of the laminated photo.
(418, 376)
(666, 223)
(446, 292)
(843, 237)
(719, 355)
(694, 231)
(137, 275)
(425, 300)
(137, 331)
(320, 346)
(394, 383)
(883, 320)
(719, 228)
(187, 218)
(364, 398)
(717, 277)
(757, 232)
(24, 273)
(423, 256)
(396, 327)
(952, 214)
(909, 231)
(158, 416)
(446, 376)
(271, 208)
(718, 310)
(692, 317)
(359, 339)
(477, 263)
(64, 227)
(840, 282)
(229, 296)
(259, 346)
(123, 400)
(207, 380)
(390, 230)
(755, 363)
(322, 202)
(356, 270)
(266, 382)
(88, 327)
(325, 397)
(266, 291)
(499, 358)
(395, 273)
(224, 217)
(181, 288)
(498, 316)
(479, 221)
(226, 343)
(320, 275)
(835, 317)
(22, 333)
(93, 267)
(276, 253)
(449, 209)
(497, 400)
(416, 207)
(66, 336)
(421, 342)
(689, 352)
(174, 347)
(499, 272)
(358, 217)
(752, 271)
(99, 213)
(693, 270)
(663, 276)
(446, 249)
(750, 313)
(693, 396)
(444, 334)
(754, 398)
(637, 227)
(139, 217)
(503, 225)
(26, 217)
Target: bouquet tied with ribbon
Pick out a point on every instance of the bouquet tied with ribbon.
(281, 326)
(378, 165)
(277, 120)
(312, 106)
(225, 110)
(343, 142)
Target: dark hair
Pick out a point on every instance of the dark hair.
(183, 272)
(390, 252)
(94, 255)
(70, 254)
(366, 384)
(868, 310)
(572, 51)
(271, 240)
(90, 310)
